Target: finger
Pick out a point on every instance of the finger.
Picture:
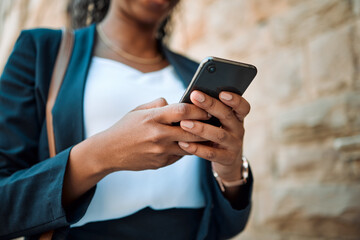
(160, 102)
(214, 134)
(209, 153)
(177, 112)
(216, 108)
(175, 150)
(240, 106)
(179, 134)
(163, 150)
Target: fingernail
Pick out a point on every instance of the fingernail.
(183, 144)
(226, 96)
(199, 97)
(209, 115)
(187, 124)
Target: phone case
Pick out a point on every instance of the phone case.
(215, 75)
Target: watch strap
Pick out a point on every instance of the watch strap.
(244, 173)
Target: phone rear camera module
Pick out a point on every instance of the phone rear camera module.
(211, 68)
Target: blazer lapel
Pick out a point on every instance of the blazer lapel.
(68, 108)
(184, 67)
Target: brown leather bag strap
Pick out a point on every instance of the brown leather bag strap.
(61, 64)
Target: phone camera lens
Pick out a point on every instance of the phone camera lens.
(211, 68)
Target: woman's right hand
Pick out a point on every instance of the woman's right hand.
(145, 139)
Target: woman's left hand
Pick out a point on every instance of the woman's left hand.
(225, 152)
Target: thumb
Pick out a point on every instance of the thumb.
(160, 102)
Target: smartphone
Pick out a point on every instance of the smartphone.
(215, 75)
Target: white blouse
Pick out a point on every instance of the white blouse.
(113, 89)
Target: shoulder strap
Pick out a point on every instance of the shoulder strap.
(61, 64)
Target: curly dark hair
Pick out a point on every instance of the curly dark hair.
(85, 12)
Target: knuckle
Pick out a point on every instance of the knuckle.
(210, 154)
(156, 136)
(158, 150)
(181, 109)
(194, 149)
(162, 102)
(150, 116)
(229, 114)
(211, 103)
(221, 136)
(199, 128)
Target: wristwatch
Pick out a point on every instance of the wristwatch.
(244, 173)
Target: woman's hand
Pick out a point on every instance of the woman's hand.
(225, 152)
(145, 139)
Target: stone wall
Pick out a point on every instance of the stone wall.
(303, 132)
(16, 15)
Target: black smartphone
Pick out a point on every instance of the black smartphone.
(215, 75)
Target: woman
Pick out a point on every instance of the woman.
(121, 172)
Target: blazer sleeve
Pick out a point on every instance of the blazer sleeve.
(229, 220)
(30, 185)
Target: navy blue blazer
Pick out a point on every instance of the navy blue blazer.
(31, 182)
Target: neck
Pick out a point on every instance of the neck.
(139, 39)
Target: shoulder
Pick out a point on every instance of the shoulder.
(40, 35)
(184, 60)
(184, 66)
(38, 41)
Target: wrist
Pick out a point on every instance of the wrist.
(92, 157)
(228, 173)
(234, 182)
(82, 172)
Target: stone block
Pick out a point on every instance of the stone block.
(332, 161)
(331, 71)
(347, 168)
(279, 80)
(234, 35)
(347, 143)
(306, 161)
(319, 119)
(309, 19)
(311, 210)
